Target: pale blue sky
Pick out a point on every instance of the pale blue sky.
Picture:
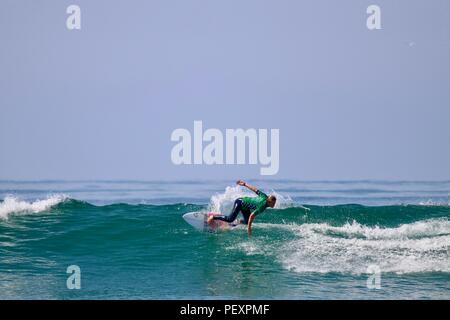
(101, 103)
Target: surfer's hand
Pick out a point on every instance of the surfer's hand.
(245, 184)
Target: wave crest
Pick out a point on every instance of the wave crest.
(223, 202)
(13, 205)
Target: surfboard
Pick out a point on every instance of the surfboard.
(199, 220)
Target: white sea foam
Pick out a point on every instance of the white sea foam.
(434, 203)
(422, 246)
(13, 205)
(419, 229)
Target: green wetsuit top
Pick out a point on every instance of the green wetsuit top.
(255, 204)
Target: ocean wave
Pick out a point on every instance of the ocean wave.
(13, 205)
(285, 212)
(422, 246)
(416, 230)
(338, 215)
(325, 239)
(434, 203)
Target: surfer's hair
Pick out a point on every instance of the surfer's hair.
(272, 198)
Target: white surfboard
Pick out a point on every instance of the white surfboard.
(199, 220)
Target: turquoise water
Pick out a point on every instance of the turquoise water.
(129, 240)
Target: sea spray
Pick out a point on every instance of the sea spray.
(223, 202)
(13, 205)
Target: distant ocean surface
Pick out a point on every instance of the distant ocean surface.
(130, 241)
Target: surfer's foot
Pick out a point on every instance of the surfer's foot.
(210, 219)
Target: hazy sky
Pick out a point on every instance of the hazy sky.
(102, 102)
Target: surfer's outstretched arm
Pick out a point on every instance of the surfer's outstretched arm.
(249, 226)
(245, 184)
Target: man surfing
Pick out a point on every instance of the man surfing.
(250, 207)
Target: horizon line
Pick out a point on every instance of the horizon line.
(193, 180)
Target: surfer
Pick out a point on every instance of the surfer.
(250, 207)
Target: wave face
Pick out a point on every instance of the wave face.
(144, 249)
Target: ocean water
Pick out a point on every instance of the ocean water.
(130, 241)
